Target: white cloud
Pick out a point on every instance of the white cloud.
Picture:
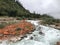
(43, 6)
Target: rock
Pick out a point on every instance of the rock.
(41, 33)
(31, 37)
(34, 35)
(38, 28)
(30, 33)
(22, 37)
(1, 34)
(0, 41)
(18, 38)
(25, 36)
(13, 39)
(58, 43)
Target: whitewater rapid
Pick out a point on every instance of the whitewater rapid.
(49, 36)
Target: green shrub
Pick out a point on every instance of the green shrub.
(2, 26)
(19, 18)
(18, 29)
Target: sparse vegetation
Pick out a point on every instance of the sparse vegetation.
(2, 26)
(49, 20)
(18, 29)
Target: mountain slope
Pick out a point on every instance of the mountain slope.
(12, 8)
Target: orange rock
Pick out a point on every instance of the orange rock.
(6, 33)
(11, 29)
(0, 31)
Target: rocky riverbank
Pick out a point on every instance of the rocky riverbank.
(16, 32)
(42, 35)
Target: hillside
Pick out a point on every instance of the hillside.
(12, 8)
(15, 9)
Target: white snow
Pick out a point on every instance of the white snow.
(49, 37)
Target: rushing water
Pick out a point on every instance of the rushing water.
(43, 35)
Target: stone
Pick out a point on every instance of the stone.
(58, 43)
(31, 37)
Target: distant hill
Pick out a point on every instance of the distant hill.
(12, 8)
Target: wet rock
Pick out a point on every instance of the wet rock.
(30, 33)
(41, 33)
(38, 28)
(22, 37)
(34, 30)
(34, 35)
(25, 36)
(31, 37)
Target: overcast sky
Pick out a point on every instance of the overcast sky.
(43, 6)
